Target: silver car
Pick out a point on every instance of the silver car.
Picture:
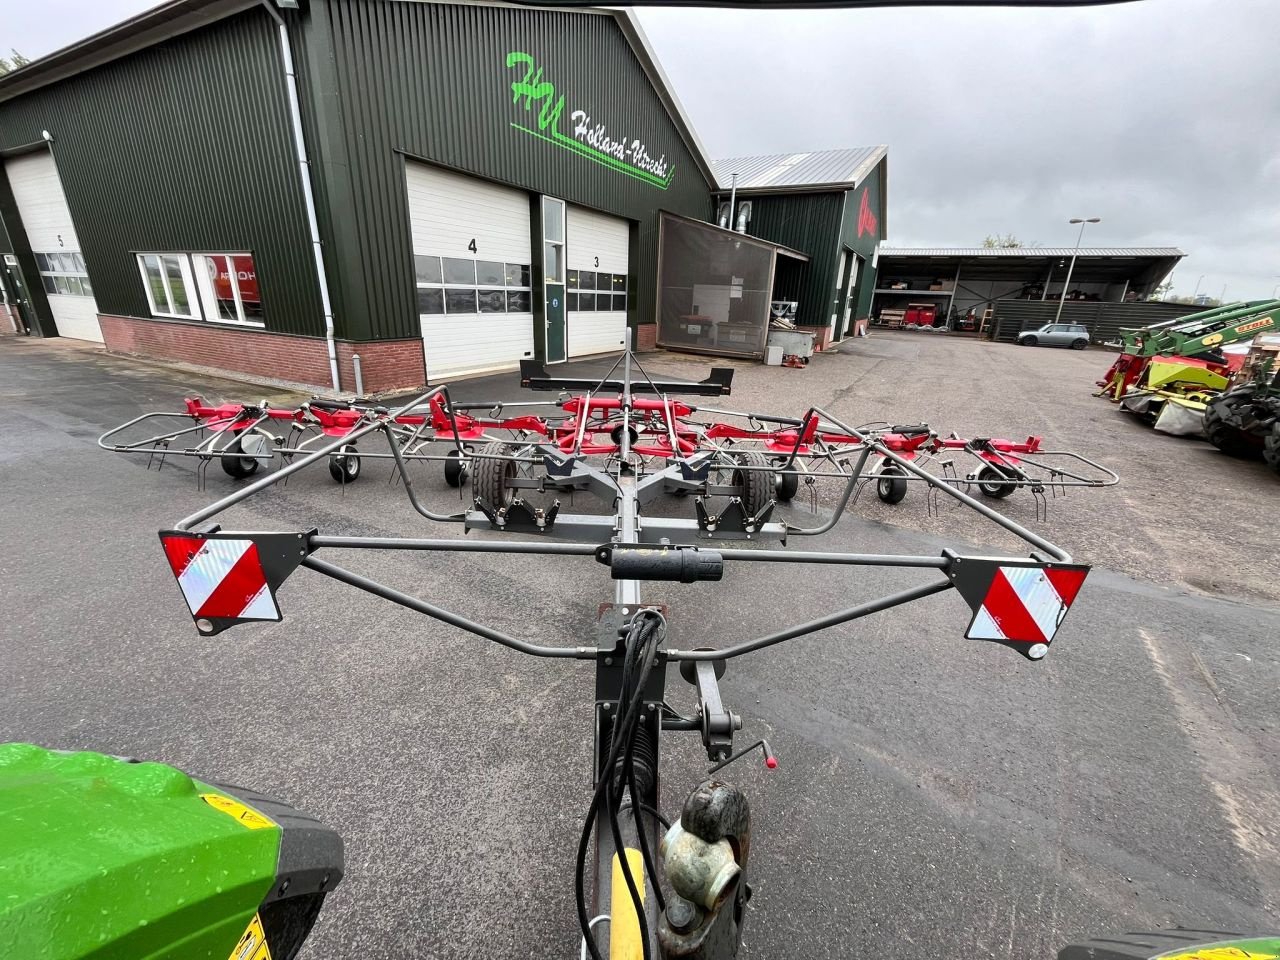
(1073, 335)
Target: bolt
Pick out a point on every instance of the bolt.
(681, 914)
(608, 661)
(284, 887)
(204, 626)
(605, 706)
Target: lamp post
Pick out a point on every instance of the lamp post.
(1067, 283)
(1195, 293)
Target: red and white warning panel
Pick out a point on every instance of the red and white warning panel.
(1021, 603)
(230, 579)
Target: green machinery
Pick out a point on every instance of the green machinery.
(1189, 336)
(1245, 420)
(111, 859)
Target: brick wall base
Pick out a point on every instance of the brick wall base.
(385, 364)
(646, 338)
(9, 325)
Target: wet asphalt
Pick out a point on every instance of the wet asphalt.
(934, 796)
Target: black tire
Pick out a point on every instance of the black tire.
(1029, 341)
(755, 487)
(1079, 344)
(1271, 448)
(993, 483)
(490, 478)
(1231, 440)
(455, 471)
(786, 484)
(891, 486)
(344, 466)
(234, 464)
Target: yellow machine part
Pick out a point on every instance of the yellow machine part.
(624, 925)
(1164, 373)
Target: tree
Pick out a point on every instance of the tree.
(1002, 241)
(11, 63)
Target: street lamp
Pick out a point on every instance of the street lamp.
(1079, 236)
(1196, 292)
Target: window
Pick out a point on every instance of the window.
(600, 292)
(451, 285)
(553, 240)
(63, 274)
(221, 287)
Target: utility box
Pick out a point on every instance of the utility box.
(773, 355)
(103, 857)
(792, 342)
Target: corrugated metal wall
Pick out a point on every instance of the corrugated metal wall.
(386, 79)
(1103, 320)
(810, 223)
(183, 146)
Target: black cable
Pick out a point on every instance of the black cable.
(584, 838)
(628, 765)
(656, 815)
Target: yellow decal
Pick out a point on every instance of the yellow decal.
(1219, 953)
(234, 808)
(1211, 339)
(624, 925)
(253, 945)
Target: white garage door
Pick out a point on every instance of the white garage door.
(43, 209)
(597, 282)
(472, 252)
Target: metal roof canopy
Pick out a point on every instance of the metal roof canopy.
(743, 237)
(1029, 264)
(812, 171)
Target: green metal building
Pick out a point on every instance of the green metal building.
(442, 189)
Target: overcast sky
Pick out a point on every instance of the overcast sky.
(1162, 117)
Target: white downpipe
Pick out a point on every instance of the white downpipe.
(304, 171)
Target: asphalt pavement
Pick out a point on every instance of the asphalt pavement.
(934, 796)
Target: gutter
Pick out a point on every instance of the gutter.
(308, 197)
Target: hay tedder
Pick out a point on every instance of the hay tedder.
(506, 451)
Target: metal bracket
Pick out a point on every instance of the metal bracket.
(519, 516)
(718, 723)
(733, 520)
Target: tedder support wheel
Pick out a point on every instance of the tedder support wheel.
(234, 464)
(1220, 430)
(455, 471)
(1079, 344)
(993, 483)
(891, 487)
(786, 484)
(344, 466)
(1271, 447)
(756, 487)
(489, 478)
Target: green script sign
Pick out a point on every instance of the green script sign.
(626, 155)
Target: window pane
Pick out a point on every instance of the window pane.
(586, 280)
(79, 258)
(519, 301)
(552, 219)
(430, 301)
(73, 287)
(247, 278)
(42, 262)
(67, 263)
(517, 275)
(88, 289)
(586, 301)
(62, 286)
(493, 301)
(571, 300)
(220, 299)
(48, 284)
(620, 302)
(571, 280)
(553, 263)
(427, 269)
(619, 283)
(459, 301)
(490, 274)
(177, 286)
(459, 271)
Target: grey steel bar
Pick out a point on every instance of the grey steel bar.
(455, 546)
(446, 616)
(849, 559)
(813, 626)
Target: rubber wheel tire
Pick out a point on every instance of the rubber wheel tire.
(1079, 344)
(1230, 440)
(1271, 448)
(455, 471)
(756, 486)
(786, 485)
(994, 484)
(489, 478)
(235, 465)
(344, 466)
(891, 487)
(1029, 341)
